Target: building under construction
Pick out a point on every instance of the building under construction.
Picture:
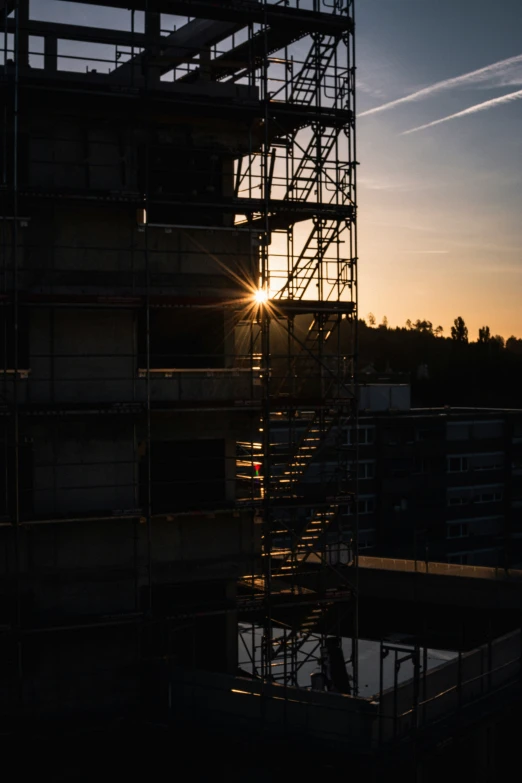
(178, 251)
(178, 348)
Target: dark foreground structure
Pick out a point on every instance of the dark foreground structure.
(178, 253)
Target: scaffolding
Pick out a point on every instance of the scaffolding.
(117, 128)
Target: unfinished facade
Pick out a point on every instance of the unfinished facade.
(177, 251)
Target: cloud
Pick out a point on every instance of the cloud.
(496, 71)
(509, 98)
(369, 183)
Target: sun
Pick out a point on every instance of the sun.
(260, 296)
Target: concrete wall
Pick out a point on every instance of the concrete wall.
(93, 568)
(80, 356)
(84, 552)
(83, 467)
(101, 249)
(92, 466)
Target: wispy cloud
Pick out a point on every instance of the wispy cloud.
(501, 70)
(478, 107)
(369, 183)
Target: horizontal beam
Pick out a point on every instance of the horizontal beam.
(246, 56)
(179, 47)
(311, 307)
(283, 211)
(73, 32)
(283, 117)
(29, 299)
(238, 11)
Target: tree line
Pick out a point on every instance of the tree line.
(459, 332)
(442, 369)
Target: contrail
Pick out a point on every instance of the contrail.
(512, 96)
(481, 74)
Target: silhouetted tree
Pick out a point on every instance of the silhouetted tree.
(499, 340)
(409, 324)
(459, 372)
(371, 319)
(484, 335)
(514, 345)
(384, 323)
(423, 326)
(459, 331)
(438, 331)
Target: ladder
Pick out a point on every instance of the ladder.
(306, 83)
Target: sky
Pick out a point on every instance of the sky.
(440, 228)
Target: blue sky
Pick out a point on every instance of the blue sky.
(440, 209)
(440, 228)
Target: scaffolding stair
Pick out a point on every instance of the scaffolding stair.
(283, 484)
(311, 257)
(312, 162)
(318, 334)
(306, 86)
(311, 541)
(314, 626)
(292, 643)
(305, 363)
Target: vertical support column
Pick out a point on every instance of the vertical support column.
(22, 34)
(50, 54)
(265, 363)
(21, 47)
(152, 30)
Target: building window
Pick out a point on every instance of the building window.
(460, 496)
(478, 430)
(366, 470)
(458, 464)
(484, 462)
(458, 500)
(423, 465)
(363, 436)
(457, 530)
(366, 505)
(491, 496)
